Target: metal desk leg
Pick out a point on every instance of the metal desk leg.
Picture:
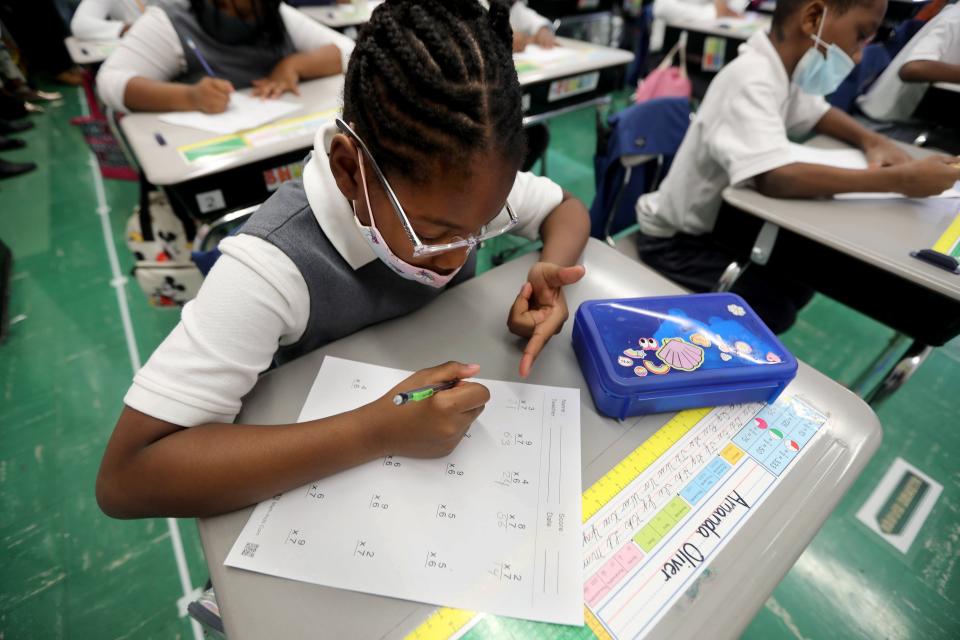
(903, 371)
(760, 254)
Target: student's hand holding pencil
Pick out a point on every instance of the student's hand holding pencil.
(927, 177)
(540, 309)
(211, 95)
(431, 427)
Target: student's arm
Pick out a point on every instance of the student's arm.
(880, 150)
(929, 71)
(529, 27)
(916, 179)
(136, 76)
(154, 468)
(90, 21)
(321, 52)
(174, 451)
(540, 309)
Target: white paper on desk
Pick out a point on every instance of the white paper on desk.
(493, 527)
(244, 112)
(539, 55)
(851, 159)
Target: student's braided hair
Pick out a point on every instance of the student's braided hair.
(433, 81)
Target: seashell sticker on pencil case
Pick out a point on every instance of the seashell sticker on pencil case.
(680, 354)
(624, 361)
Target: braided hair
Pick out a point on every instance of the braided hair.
(432, 82)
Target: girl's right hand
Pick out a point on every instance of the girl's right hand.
(211, 95)
(433, 427)
(929, 176)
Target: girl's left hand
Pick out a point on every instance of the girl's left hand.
(283, 78)
(545, 38)
(884, 153)
(540, 309)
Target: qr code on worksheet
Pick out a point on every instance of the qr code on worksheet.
(250, 549)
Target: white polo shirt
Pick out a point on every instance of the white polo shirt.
(525, 20)
(151, 49)
(740, 131)
(255, 299)
(890, 98)
(104, 19)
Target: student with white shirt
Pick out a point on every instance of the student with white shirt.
(105, 19)
(698, 10)
(265, 44)
(529, 27)
(932, 55)
(422, 167)
(772, 90)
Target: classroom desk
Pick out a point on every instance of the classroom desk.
(573, 83)
(260, 606)
(340, 16)
(702, 34)
(209, 187)
(858, 252)
(89, 52)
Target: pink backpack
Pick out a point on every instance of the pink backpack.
(667, 81)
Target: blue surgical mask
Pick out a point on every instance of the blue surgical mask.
(819, 74)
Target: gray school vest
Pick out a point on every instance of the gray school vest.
(342, 300)
(240, 64)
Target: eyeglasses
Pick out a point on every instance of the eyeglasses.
(419, 247)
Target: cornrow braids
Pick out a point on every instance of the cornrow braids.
(433, 81)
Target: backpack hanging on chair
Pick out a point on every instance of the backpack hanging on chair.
(667, 81)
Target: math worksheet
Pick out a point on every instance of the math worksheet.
(494, 526)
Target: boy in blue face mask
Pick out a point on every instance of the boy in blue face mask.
(264, 44)
(772, 90)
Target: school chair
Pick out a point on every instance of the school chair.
(207, 241)
(875, 60)
(640, 145)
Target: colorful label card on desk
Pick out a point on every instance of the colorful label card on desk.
(493, 526)
(657, 519)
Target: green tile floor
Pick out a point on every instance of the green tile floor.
(69, 572)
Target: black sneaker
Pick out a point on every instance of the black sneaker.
(11, 169)
(10, 126)
(8, 144)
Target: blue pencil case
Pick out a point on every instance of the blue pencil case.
(652, 355)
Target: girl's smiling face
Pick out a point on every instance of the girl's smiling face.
(446, 206)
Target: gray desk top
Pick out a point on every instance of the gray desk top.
(594, 57)
(86, 52)
(259, 606)
(879, 232)
(734, 28)
(164, 165)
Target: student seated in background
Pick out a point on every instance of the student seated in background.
(932, 55)
(773, 89)
(260, 43)
(529, 27)
(106, 19)
(698, 9)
